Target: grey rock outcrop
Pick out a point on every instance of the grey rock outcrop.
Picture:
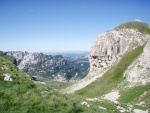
(139, 71)
(23, 58)
(108, 49)
(7, 77)
(111, 45)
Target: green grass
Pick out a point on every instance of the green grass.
(22, 95)
(112, 77)
(111, 108)
(133, 94)
(10, 58)
(140, 26)
(57, 85)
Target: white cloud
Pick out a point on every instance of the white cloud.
(138, 20)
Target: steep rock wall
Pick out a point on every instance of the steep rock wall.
(111, 45)
(139, 71)
(108, 49)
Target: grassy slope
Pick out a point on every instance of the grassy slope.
(140, 26)
(112, 77)
(23, 96)
(110, 80)
(133, 95)
(111, 108)
(10, 58)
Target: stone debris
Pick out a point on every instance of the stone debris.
(130, 107)
(7, 77)
(85, 104)
(141, 103)
(116, 102)
(121, 109)
(139, 111)
(112, 96)
(4, 68)
(100, 107)
(39, 82)
(93, 99)
(127, 109)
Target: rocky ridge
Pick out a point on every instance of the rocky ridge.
(111, 45)
(57, 67)
(23, 58)
(108, 49)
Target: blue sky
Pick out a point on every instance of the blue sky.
(63, 25)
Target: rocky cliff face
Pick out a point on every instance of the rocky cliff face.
(139, 71)
(56, 67)
(111, 45)
(109, 48)
(23, 58)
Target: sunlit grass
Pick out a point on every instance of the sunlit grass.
(140, 26)
(112, 77)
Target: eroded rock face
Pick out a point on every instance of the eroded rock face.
(23, 58)
(111, 45)
(139, 71)
(17, 55)
(108, 49)
(55, 67)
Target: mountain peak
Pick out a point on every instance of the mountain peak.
(140, 26)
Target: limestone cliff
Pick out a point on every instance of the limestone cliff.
(111, 45)
(109, 48)
(139, 71)
(23, 58)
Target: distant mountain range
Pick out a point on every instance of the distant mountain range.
(55, 67)
(69, 53)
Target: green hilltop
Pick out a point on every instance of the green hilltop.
(140, 26)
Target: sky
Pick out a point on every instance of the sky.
(63, 25)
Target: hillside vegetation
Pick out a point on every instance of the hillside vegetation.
(140, 26)
(113, 80)
(10, 58)
(112, 77)
(21, 95)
